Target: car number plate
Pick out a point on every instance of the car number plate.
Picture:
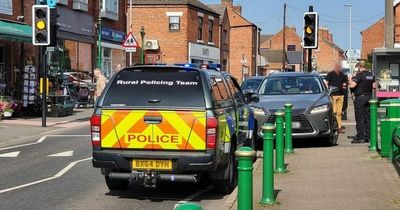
(152, 164)
(296, 125)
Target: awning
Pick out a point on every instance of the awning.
(15, 32)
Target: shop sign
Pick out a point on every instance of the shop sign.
(6, 7)
(112, 35)
(75, 22)
(204, 52)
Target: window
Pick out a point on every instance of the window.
(210, 30)
(291, 48)
(158, 85)
(109, 9)
(235, 90)
(174, 23)
(220, 93)
(225, 36)
(294, 85)
(200, 28)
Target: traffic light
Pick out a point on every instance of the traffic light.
(310, 31)
(53, 26)
(41, 25)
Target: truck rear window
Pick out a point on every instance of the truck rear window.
(156, 88)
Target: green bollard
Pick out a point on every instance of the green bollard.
(268, 195)
(288, 128)
(373, 108)
(279, 147)
(188, 206)
(245, 183)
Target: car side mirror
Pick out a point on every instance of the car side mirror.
(333, 89)
(252, 97)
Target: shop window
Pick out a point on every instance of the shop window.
(200, 28)
(2, 66)
(107, 62)
(210, 30)
(174, 23)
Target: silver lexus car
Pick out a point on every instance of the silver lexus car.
(312, 110)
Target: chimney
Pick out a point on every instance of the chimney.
(227, 2)
(330, 37)
(238, 9)
(324, 33)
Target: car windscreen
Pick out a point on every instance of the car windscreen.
(291, 85)
(156, 88)
(251, 84)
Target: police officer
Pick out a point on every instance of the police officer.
(363, 84)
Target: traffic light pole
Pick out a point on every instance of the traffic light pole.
(43, 66)
(309, 64)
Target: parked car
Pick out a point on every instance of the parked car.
(312, 109)
(252, 84)
(170, 123)
(79, 79)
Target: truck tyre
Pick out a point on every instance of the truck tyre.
(114, 184)
(226, 186)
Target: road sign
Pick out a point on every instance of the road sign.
(52, 3)
(50, 49)
(352, 54)
(130, 49)
(130, 41)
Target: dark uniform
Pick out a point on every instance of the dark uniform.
(363, 93)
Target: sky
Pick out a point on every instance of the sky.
(268, 15)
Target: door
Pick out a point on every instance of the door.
(242, 111)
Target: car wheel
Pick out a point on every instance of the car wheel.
(334, 136)
(226, 186)
(115, 184)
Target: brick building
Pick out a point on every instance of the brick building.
(178, 31)
(324, 58)
(243, 44)
(224, 31)
(328, 53)
(373, 37)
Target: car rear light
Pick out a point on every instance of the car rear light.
(95, 125)
(212, 128)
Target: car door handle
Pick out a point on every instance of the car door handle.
(152, 119)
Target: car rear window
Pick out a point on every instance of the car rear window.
(156, 88)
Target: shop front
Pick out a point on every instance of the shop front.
(114, 56)
(203, 54)
(76, 41)
(16, 53)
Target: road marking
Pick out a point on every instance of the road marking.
(193, 196)
(58, 175)
(40, 141)
(10, 154)
(63, 154)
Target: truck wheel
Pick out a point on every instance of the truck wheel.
(226, 186)
(114, 184)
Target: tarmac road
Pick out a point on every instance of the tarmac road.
(31, 179)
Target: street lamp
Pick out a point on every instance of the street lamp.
(350, 47)
(99, 53)
(142, 33)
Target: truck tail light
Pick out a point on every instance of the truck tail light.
(95, 125)
(212, 128)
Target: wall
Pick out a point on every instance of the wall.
(239, 46)
(275, 43)
(373, 37)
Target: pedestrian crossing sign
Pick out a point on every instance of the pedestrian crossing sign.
(130, 41)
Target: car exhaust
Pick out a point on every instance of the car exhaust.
(191, 178)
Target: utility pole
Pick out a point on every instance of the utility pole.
(389, 24)
(284, 39)
(99, 28)
(142, 34)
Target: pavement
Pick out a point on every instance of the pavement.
(32, 127)
(345, 176)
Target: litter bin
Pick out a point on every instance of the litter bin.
(388, 124)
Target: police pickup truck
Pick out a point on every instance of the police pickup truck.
(171, 123)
